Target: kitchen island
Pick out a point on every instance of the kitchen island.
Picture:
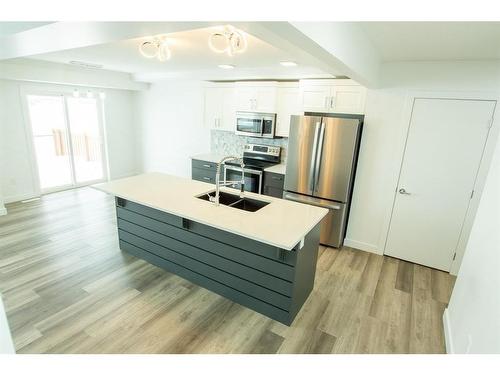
(264, 260)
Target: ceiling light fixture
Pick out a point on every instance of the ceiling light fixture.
(226, 66)
(156, 47)
(228, 40)
(288, 63)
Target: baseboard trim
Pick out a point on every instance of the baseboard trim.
(3, 211)
(371, 248)
(448, 338)
(18, 198)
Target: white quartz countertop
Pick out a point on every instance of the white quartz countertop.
(278, 168)
(281, 223)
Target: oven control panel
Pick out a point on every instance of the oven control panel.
(262, 149)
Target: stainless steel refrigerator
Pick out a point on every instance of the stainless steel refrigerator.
(320, 167)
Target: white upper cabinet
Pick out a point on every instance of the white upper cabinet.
(332, 96)
(315, 96)
(348, 99)
(220, 109)
(288, 104)
(256, 96)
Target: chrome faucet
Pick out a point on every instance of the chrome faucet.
(219, 183)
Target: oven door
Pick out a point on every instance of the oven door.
(253, 178)
(249, 124)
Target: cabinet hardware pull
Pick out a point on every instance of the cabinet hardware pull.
(207, 178)
(207, 165)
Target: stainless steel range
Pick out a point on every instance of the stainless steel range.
(256, 158)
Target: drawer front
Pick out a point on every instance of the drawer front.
(204, 175)
(273, 191)
(274, 179)
(206, 165)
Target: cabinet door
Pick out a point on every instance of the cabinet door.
(265, 99)
(348, 99)
(228, 110)
(288, 105)
(245, 99)
(213, 107)
(316, 98)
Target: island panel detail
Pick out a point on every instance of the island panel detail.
(272, 281)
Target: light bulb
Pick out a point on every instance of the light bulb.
(164, 53)
(229, 41)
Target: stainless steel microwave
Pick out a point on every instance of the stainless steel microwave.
(254, 124)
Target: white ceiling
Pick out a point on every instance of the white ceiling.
(191, 55)
(9, 28)
(431, 41)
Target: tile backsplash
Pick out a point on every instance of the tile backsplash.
(228, 143)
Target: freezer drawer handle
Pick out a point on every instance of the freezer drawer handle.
(293, 198)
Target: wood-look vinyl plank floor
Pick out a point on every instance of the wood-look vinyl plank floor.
(68, 288)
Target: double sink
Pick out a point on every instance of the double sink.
(235, 201)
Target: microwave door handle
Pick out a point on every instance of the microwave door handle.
(262, 127)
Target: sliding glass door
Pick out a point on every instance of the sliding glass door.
(67, 140)
(86, 139)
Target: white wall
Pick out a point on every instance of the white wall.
(170, 115)
(386, 120)
(472, 319)
(377, 172)
(15, 163)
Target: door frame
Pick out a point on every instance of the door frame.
(24, 91)
(481, 174)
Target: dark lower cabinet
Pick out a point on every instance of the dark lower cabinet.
(273, 184)
(272, 281)
(203, 171)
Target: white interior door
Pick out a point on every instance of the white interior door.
(444, 147)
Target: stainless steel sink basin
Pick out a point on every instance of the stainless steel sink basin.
(234, 201)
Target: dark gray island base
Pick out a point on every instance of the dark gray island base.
(272, 281)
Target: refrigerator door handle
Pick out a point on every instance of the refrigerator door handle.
(311, 201)
(319, 155)
(312, 167)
